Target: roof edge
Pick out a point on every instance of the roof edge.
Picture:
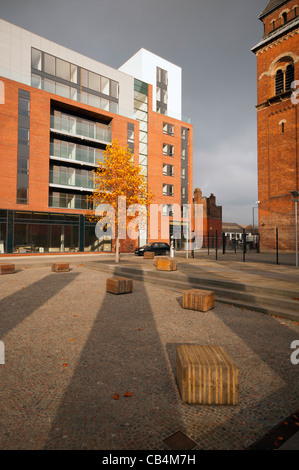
(269, 9)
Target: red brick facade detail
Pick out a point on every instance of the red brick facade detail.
(212, 214)
(277, 128)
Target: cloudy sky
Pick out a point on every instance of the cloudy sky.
(210, 39)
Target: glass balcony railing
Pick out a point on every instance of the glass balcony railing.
(86, 129)
(74, 152)
(69, 201)
(67, 179)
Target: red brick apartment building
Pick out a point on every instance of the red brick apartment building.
(277, 122)
(58, 112)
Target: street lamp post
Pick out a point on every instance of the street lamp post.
(295, 198)
(255, 207)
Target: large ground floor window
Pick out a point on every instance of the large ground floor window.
(47, 232)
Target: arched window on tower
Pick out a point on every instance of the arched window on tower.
(284, 17)
(289, 77)
(279, 82)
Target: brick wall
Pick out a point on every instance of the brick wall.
(277, 127)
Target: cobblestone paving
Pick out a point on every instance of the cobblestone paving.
(70, 347)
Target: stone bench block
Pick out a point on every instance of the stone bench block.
(198, 299)
(119, 285)
(168, 264)
(60, 267)
(7, 268)
(206, 375)
(149, 255)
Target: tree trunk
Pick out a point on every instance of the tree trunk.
(117, 250)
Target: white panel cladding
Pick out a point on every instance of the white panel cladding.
(143, 66)
(15, 48)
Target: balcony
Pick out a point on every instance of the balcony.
(69, 201)
(80, 154)
(67, 179)
(87, 130)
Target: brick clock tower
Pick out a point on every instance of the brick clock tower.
(278, 123)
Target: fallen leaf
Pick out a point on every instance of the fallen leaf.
(280, 438)
(116, 396)
(139, 329)
(128, 394)
(296, 298)
(65, 365)
(72, 339)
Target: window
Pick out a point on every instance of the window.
(289, 77)
(168, 170)
(49, 64)
(84, 78)
(84, 85)
(183, 191)
(105, 89)
(24, 106)
(283, 80)
(285, 17)
(168, 190)
(183, 154)
(167, 210)
(282, 127)
(183, 173)
(23, 136)
(168, 150)
(168, 128)
(36, 59)
(162, 76)
(279, 82)
(94, 81)
(63, 69)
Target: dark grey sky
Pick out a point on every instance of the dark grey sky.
(210, 40)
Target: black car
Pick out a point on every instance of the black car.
(157, 248)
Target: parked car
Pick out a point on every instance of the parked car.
(157, 248)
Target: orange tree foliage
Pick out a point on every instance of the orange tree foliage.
(118, 176)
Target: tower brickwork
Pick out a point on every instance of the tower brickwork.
(277, 122)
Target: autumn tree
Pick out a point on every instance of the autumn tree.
(121, 188)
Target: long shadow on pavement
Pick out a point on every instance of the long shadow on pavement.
(18, 306)
(123, 353)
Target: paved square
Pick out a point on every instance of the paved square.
(70, 347)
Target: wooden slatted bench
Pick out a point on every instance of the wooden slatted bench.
(206, 375)
(119, 285)
(60, 267)
(168, 264)
(7, 268)
(198, 299)
(157, 258)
